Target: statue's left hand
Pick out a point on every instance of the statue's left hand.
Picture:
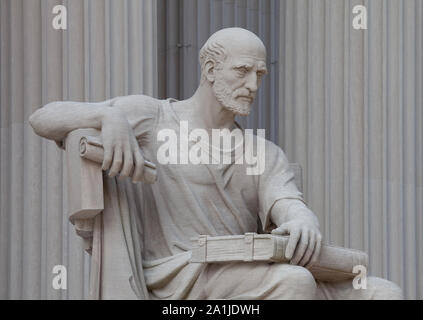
(304, 241)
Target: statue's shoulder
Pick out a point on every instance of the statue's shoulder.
(138, 106)
(136, 100)
(257, 138)
(269, 152)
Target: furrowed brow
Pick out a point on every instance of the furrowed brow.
(262, 67)
(262, 70)
(243, 65)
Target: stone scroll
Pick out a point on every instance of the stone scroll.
(84, 156)
(334, 263)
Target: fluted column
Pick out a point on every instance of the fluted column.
(108, 49)
(351, 115)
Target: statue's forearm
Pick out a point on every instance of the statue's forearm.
(289, 209)
(56, 119)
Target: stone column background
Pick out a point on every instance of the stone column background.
(345, 104)
(351, 114)
(108, 49)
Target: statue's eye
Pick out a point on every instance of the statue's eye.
(242, 70)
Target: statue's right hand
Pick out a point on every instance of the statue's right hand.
(122, 154)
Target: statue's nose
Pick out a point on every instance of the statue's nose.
(251, 83)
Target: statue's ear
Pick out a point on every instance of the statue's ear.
(209, 70)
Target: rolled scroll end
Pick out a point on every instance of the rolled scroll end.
(149, 175)
(91, 148)
(90, 151)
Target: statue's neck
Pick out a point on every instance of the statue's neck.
(206, 112)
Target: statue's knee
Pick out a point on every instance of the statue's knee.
(298, 277)
(384, 289)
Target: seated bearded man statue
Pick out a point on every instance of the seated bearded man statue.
(205, 196)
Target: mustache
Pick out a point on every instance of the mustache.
(243, 93)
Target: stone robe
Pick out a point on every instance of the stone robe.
(153, 225)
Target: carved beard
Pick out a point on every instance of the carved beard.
(227, 97)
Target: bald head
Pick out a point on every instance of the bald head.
(233, 62)
(231, 41)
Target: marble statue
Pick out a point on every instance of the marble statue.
(205, 198)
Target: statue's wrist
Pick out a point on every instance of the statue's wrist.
(109, 113)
